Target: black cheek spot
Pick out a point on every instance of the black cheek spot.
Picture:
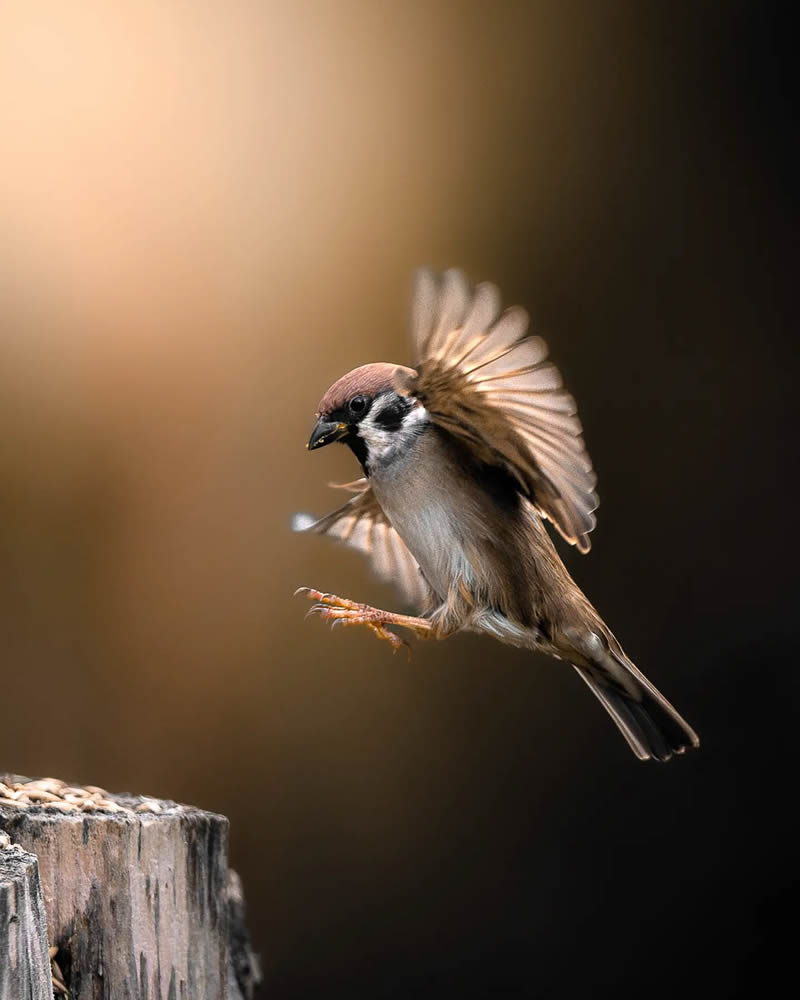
(390, 418)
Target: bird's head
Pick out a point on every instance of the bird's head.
(366, 409)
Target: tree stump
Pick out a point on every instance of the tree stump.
(136, 891)
(24, 958)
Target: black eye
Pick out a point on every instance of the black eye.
(358, 404)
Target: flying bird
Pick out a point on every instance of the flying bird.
(464, 457)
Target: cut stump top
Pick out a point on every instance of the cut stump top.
(134, 888)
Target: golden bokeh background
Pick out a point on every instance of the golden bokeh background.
(210, 211)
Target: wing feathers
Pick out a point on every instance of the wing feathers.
(424, 310)
(483, 313)
(472, 346)
(454, 299)
(505, 343)
(361, 524)
(486, 383)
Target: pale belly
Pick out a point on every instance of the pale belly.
(447, 523)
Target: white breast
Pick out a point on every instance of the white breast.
(418, 491)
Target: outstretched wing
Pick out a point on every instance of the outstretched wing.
(488, 384)
(362, 524)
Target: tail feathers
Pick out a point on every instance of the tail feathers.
(653, 728)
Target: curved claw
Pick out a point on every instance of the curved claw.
(394, 640)
(402, 642)
(311, 592)
(318, 595)
(342, 603)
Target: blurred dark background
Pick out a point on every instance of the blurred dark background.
(212, 210)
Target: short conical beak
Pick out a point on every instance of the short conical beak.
(326, 432)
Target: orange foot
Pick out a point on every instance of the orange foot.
(341, 611)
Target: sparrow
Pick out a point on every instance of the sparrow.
(464, 458)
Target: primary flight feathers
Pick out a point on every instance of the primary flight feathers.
(362, 524)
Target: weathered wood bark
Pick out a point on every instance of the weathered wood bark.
(24, 959)
(136, 901)
(245, 967)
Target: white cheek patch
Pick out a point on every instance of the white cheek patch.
(415, 418)
(384, 444)
(379, 440)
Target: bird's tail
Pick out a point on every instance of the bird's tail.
(653, 728)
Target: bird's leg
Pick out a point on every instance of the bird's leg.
(341, 611)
